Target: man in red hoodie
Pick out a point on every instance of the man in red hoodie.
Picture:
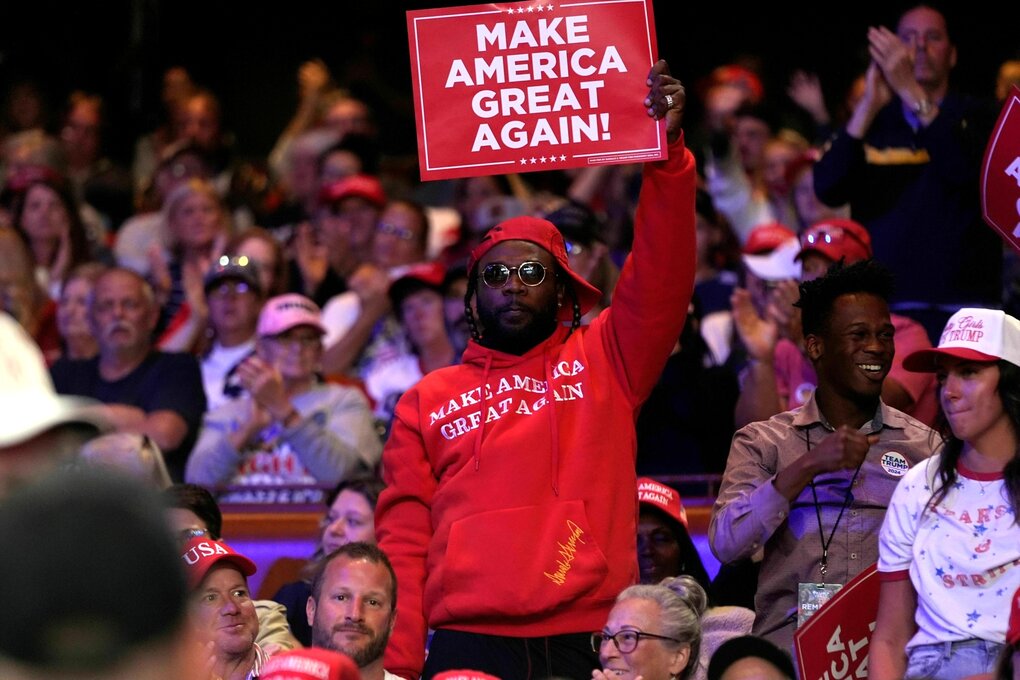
(509, 513)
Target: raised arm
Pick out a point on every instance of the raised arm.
(655, 286)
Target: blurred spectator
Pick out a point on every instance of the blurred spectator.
(587, 251)
(235, 298)
(95, 178)
(143, 390)
(1007, 77)
(47, 217)
(40, 430)
(150, 148)
(197, 228)
(23, 298)
(259, 246)
(291, 428)
(907, 162)
(24, 107)
(77, 338)
(350, 518)
(103, 596)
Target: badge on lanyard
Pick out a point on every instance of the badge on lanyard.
(811, 597)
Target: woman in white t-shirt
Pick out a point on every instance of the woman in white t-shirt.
(949, 549)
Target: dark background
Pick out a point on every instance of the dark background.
(248, 53)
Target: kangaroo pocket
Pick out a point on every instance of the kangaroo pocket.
(521, 561)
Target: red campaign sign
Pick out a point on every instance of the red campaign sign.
(833, 644)
(1000, 174)
(517, 87)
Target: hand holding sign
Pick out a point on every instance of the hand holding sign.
(666, 97)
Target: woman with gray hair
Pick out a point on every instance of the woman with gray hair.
(653, 632)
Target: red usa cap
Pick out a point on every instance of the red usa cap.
(312, 663)
(201, 554)
(542, 233)
(661, 497)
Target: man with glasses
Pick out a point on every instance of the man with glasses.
(291, 427)
(510, 514)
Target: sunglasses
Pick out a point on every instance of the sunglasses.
(497, 274)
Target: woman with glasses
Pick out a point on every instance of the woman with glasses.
(291, 427)
(653, 632)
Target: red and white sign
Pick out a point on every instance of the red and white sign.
(833, 644)
(1000, 174)
(517, 87)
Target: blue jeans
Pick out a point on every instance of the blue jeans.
(951, 660)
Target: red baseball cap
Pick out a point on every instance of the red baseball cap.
(661, 497)
(201, 554)
(837, 239)
(765, 238)
(360, 186)
(464, 675)
(544, 234)
(311, 663)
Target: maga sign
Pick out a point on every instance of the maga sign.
(833, 644)
(1000, 174)
(529, 86)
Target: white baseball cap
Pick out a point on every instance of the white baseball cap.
(29, 404)
(973, 334)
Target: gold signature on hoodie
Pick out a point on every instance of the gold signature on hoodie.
(567, 552)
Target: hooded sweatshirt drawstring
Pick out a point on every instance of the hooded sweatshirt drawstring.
(554, 432)
(485, 410)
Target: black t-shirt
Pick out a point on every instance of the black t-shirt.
(162, 382)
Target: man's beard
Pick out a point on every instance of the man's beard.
(362, 655)
(520, 340)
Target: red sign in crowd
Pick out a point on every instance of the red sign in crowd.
(518, 87)
(1000, 174)
(834, 643)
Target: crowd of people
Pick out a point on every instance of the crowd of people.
(499, 384)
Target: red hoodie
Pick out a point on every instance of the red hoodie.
(510, 506)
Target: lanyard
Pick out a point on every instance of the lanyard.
(824, 566)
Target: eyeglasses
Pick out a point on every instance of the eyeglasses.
(497, 274)
(625, 640)
(403, 233)
(830, 235)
